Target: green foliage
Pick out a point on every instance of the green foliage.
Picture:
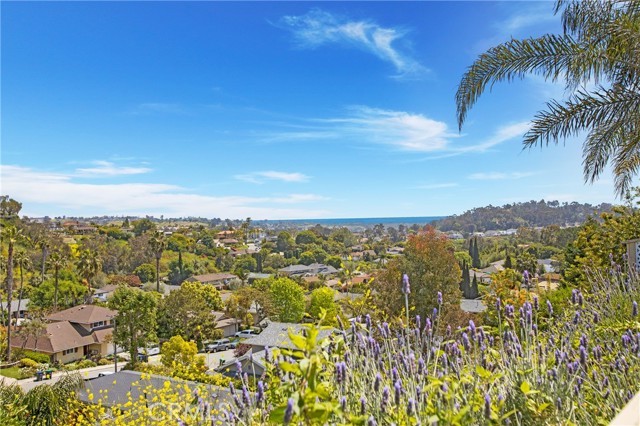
(26, 362)
(135, 323)
(600, 43)
(38, 357)
(321, 303)
(287, 298)
(188, 312)
(431, 267)
(143, 225)
(597, 241)
(70, 293)
(307, 237)
(178, 353)
(146, 272)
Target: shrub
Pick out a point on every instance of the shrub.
(36, 356)
(86, 363)
(104, 361)
(27, 362)
(241, 349)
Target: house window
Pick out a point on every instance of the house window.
(70, 351)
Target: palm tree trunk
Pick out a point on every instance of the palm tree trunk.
(20, 293)
(9, 294)
(44, 261)
(55, 291)
(158, 274)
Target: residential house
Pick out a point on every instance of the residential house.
(15, 312)
(73, 334)
(308, 270)
(228, 325)
(219, 279)
(102, 294)
(254, 276)
(276, 335)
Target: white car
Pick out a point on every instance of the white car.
(246, 333)
(155, 350)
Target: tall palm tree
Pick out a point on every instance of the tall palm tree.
(22, 261)
(158, 244)
(89, 265)
(57, 261)
(12, 235)
(44, 244)
(601, 44)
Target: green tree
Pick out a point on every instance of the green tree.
(431, 266)
(158, 244)
(135, 320)
(57, 261)
(307, 258)
(178, 352)
(285, 242)
(287, 298)
(306, 237)
(146, 272)
(322, 299)
(22, 261)
(188, 312)
(142, 226)
(89, 265)
(600, 43)
(12, 235)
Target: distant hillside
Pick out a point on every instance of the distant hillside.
(531, 213)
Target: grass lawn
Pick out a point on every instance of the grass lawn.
(13, 372)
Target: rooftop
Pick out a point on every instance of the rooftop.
(83, 314)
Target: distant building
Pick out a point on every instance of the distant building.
(308, 270)
(219, 280)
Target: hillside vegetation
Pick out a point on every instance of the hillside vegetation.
(530, 214)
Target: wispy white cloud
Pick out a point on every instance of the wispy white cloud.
(108, 169)
(520, 21)
(403, 130)
(318, 27)
(260, 177)
(59, 193)
(499, 175)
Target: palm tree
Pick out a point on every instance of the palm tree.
(601, 44)
(158, 244)
(89, 265)
(12, 235)
(44, 244)
(22, 260)
(57, 261)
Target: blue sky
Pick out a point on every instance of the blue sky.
(271, 110)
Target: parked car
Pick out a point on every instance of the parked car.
(219, 345)
(152, 350)
(246, 333)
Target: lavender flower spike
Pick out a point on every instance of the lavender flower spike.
(288, 412)
(439, 298)
(487, 406)
(406, 287)
(635, 309)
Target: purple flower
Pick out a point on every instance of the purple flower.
(418, 321)
(245, 395)
(498, 304)
(472, 328)
(397, 391)
(535, 302)
(574, 296)
(525, 277)
(487, 406)
(385, 398)
(406, 287)
(550, 308)
(363, 405)
(410, 406)
(376, 382)
(260, 393)
(343, 403)
(439, 298)
(372, 421)
(634, 311)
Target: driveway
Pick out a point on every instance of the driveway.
(213, 359)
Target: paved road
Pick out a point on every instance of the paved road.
(87, 373)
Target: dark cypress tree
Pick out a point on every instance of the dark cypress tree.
(476, 254)
(508, 263)
(474, 288)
